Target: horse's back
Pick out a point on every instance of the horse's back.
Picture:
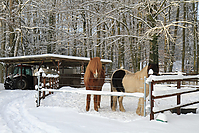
(134, 82)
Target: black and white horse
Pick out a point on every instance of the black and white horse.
(125, 81)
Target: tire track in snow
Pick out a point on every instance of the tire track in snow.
(16, 116)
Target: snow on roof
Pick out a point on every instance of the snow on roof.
(61, 57)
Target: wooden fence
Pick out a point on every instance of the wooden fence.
(48, 84)
(152, 80)
(49, 81)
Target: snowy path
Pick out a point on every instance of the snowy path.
(14, 116)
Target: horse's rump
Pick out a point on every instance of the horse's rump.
(116, 80)
(135, 82)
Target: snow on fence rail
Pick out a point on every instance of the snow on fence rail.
(170, 78)
(104, 93)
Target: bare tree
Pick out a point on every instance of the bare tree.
(130, 33)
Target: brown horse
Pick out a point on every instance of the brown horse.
(94, 80)
(125, 81)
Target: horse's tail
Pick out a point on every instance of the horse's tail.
(111, 96)
(116, 82)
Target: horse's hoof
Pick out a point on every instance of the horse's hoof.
(138, 113)
(114, 109)
(87, 109)
(96, 109)
(122, 109)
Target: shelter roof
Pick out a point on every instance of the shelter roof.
(49, 59)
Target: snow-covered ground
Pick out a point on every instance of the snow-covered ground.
(65, 113)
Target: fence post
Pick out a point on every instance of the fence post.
(38, 89)
(50, 84)
(144, 96)
(44, 82)
(178, 98)
(53, 84)
(151, 101)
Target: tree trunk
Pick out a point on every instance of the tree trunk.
(85, 33)
(183, 39)
(165, 50)
(174, 41)
(139, 44)
(154, 56)
(51, 36)
(3, 37)
(11, 30)
(195, 40)
(119, 47)
(98, 39)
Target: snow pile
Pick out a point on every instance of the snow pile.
(162, 118)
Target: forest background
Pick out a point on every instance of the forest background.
(131, 33)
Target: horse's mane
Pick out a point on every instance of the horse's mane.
(142, 73)
(143, 70)
(93, 64)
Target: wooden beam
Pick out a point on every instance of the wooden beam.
(40, 65)
(178, 98)
(174, 94)
(152, 102)
(171, 108)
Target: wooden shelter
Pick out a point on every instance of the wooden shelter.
(63, 64)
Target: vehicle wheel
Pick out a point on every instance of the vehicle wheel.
(7, 88)
(8, 84)
(22, 84)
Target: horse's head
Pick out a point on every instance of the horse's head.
(95, 66)
(154, 67)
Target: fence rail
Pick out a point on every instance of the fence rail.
(152, 80)
(104, 93)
